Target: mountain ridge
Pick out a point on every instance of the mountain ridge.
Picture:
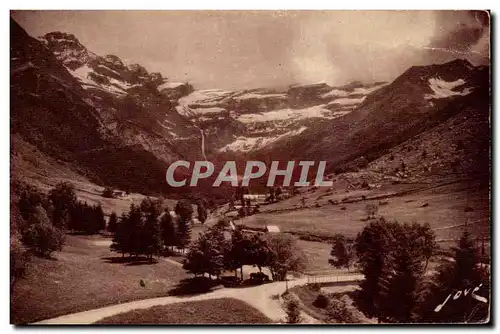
(112, 112)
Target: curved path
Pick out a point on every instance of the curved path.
(259, 297)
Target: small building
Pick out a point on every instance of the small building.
(255, 197)
(272, 229)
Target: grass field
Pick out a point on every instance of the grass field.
(444, 208)
(215, 311)
(86, 275)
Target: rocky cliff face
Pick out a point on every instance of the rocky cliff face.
(250, 120)
(144, 108)
(112, 135)
(133, 104)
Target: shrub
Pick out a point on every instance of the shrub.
(259, 277)
(292, 306)
(19, 259)
(315, 286)
(108, 192)
(338, 312)
(321, 301)
(43, 238)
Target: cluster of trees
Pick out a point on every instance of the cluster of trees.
(38, 222)
(86, 218)
(394, 258)
(41, 219)
(214, 251)
(148, 228)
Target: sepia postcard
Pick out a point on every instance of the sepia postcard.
(250, 167)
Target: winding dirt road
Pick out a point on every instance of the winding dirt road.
(261, 297)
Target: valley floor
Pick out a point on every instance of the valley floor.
(86, 276)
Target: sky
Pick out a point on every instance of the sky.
(250, 49)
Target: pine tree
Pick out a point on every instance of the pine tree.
(113, 222)
(151, 237)
(184, 211)
(398, 297)
(168, 233)
(100, 222)
(373, 249)
(448, 296)
(202, 212)
(133, 231)
(183, 236)
(120, 236)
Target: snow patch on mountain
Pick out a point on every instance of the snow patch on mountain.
(170, 85)
(339, 92)
(205, 97)
(367, 90)
(444, 89)
(259, 96)
(335, 93)
(285, 114)
(82, 74)
(246, 144)
(347, 101)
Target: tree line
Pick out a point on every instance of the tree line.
(149, 228)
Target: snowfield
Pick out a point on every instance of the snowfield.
(285, 114)
(170, 85)
(81, 73)
(205, 97)
(357, 91)
(347, 101)
(247, 96)
(443, 89)
(245, 144)
(335, 93)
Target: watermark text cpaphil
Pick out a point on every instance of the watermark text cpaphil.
(253, 170)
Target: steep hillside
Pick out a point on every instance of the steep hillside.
(133, 104)
(51, 110)
(120, 125)
(415, 102)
